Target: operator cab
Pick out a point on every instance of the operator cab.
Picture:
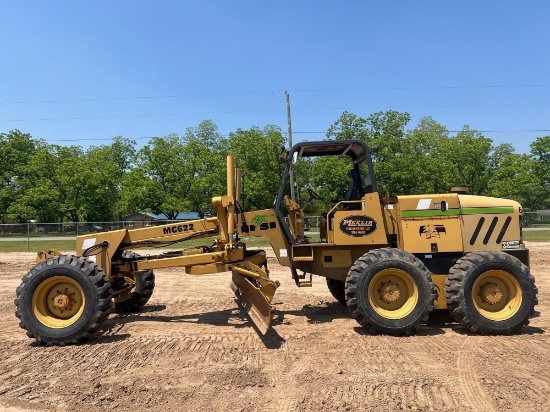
(329, 177)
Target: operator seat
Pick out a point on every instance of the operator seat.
(354, 190)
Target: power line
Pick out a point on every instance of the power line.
(459, 131)
(268, 110)
(434, 106)
(294, 132)
(110, 138)
(138, 115)
(420, 88)
(171, 96)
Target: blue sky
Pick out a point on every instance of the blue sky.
(230, 61)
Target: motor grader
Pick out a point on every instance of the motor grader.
(390, 259)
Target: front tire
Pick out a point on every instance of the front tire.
(63, 300)
(491, 292)
(390, 291)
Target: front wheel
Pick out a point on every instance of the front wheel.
(491, 292)
(63, 299)
(390, 291)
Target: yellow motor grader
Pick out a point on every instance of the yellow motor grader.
(391, 260)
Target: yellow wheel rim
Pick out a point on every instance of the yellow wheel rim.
(130, 279)
(58, 302)
(497, 295)
(393, 293)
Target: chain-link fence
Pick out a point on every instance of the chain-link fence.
(536, 219)
(26, 231)
(71, 229)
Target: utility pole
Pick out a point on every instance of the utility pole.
(292, 194)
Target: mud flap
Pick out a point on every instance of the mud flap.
(254, 295)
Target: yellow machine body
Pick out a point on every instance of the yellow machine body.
(438, 229)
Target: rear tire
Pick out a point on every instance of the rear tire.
(338, 289)
(143, 284)
(63, 300)
(491, 292)
(390, 291)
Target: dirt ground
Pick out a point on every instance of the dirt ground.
(192, 349)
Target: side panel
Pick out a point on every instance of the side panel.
(432, 235)
(359, 227)
(490, 224)
(431, 223)
(332, 261)
(264, 223)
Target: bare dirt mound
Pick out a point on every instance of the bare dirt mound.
(192, 349)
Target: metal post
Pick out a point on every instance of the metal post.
(231, 195)
(28, 237)
(292, 194)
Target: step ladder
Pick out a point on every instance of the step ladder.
(302, 254)
(303, 280)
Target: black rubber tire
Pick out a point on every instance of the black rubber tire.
(460, 282)
(145, 284)
(338, 289)
(360, 276)
(94, 285)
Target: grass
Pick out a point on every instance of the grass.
(536, 235)
(69, 245)
(36, 245)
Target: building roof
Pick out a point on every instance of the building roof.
(162, 216)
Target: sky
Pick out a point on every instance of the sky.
(80, 73)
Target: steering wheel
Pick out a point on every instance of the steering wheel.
(314, 196)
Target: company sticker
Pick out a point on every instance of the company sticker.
(358, 225)
(258, 220)
(510, 244)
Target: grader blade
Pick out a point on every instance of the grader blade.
(255, 299)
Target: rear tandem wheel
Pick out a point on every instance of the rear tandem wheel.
(491, 292)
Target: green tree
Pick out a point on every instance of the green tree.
(516, 178)
(208, 151)
(469, 155)
(55, 184)
(258, 151)
(540, 150)
(161, 180)
(420, 167)
(384, 133)
(107, 164)
(15, 149)
(177, 174)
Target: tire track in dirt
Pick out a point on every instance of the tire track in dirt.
(468, 379)
(343, 387)
(396, 395)
(191, 350)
